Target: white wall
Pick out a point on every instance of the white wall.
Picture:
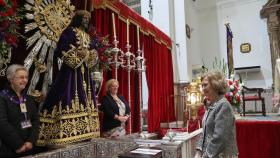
(175, 28)
(204, 41)
(208, 35)
(193, 43)
(208, 38)
(247, 27)
(160, 14)
(180, 39)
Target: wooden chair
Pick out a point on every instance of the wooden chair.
(253, 94)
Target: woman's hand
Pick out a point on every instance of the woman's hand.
(122, 118)
(126, 117)
(25, 147)
(28, 145)
(21, 149)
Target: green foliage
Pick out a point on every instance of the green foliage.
(220, 65)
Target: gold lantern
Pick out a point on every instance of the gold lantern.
(193, 98)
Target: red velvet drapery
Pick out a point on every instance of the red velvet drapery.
(103, 23)
(158, 60)
(160, 84)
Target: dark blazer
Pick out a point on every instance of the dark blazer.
(12, 136)
(110, 109)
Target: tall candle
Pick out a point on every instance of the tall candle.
(143, 51)
(114, 25)
(127, 31)
(138, 38)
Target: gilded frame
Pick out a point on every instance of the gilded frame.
(245, 48)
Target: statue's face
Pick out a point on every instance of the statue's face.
(85, 21)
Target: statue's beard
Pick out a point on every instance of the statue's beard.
(85, 26)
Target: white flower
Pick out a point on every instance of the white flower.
(231, 87)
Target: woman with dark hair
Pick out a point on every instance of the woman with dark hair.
(69, 113)
(218, 139)
(19, 118)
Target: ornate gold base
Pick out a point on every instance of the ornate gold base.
(68, 126)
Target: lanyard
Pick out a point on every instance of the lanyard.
(23, 108)
(21, 101)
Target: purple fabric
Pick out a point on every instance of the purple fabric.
(229, 49)
(63, 89)
(9, 93)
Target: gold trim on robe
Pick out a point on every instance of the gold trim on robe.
(66, 124)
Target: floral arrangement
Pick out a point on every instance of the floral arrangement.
(101, 44)
(9, 24)
(234, 93)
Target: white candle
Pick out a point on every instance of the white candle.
(127, 31)
(138, 38)
(114, 26)
(143, 52)
(193, 98)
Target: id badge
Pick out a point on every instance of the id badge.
(23, 107)
(26, 124)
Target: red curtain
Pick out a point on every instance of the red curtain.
(159, 70)
(160, 83)
(103, 23)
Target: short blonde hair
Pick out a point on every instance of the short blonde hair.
(217, 81)
(12, 69)
(110, 82)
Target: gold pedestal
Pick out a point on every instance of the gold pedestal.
(190, 114)
(192, 110)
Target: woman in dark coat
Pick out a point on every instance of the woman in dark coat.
(116, 111)
(19, 118)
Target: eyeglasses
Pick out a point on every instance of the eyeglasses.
(22, 77)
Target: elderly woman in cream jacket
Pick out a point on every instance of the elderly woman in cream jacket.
(218, 139)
